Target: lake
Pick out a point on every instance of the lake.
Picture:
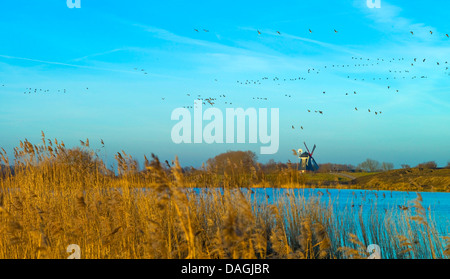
(376, 217)
(436, 203)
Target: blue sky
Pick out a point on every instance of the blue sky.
(92, 54)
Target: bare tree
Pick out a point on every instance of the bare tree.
(233, 161)
(387, 166)
(427, 165)
(369, 165)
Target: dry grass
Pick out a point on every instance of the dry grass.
(59, 196)
(414, 179)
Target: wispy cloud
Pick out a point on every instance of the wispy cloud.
(235, 57)
(61, 63)
(98, 54)
(389, 19)
(164, 34)
(109, 69)
(325, 45)
(238, 55)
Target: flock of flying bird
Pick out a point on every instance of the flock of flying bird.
(310, 31)
(376, 61)
(41, 91)
(357, 62)
(394, 74)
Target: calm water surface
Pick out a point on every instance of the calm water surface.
(437, 204)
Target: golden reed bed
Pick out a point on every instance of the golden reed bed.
(58, 196)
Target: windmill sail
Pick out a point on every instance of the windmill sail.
(314, 165)
(314, 148)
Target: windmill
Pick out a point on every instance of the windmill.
(306, 160)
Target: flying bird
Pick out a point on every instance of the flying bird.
(259, 33)
(278, 32)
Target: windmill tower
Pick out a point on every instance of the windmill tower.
(306, 160)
